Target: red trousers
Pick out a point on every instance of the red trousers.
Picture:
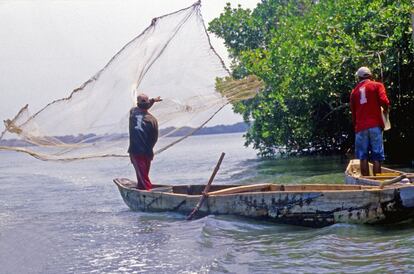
(142, 166)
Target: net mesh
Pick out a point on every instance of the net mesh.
(172, 58)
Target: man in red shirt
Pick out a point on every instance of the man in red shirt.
(367, 98)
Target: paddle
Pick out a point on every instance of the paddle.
(381, 177)
(393, 181)
(206, 189)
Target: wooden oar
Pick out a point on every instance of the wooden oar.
(407, 175)
(241, 189)
(206, 189)
(393, 181)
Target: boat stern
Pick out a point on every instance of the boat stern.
(407, 197)
(401, 208)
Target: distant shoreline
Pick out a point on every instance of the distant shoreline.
(170, 132)
(219, 129)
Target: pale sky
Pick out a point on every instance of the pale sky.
(48, 48)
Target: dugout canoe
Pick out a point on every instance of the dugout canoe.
(309, 205)
(353, 175)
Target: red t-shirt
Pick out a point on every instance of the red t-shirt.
(367, 98)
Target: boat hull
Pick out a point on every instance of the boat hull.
(353, 175)
(312, 208)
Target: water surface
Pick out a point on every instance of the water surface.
(69, 218)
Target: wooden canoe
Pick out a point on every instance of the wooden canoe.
(353, 175)
(307, 205)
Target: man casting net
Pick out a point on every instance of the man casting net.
(172, 58)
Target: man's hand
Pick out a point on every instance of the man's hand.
(157, 99)
(386, 110)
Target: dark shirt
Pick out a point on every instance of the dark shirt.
(143, 132)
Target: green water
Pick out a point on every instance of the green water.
(69, 218)
(301, 170)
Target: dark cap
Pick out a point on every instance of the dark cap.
(142, 98)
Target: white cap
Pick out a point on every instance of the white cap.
(363, 72)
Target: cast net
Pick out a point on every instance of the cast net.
(172, 58)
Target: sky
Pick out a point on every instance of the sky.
(49, 48)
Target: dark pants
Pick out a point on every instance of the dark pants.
(142, 166)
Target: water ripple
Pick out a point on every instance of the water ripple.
(70, 218)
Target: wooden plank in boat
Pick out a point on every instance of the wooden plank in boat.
(289, 188)
(326, 187)
(388, 174)
(240, 189)
(386, 177)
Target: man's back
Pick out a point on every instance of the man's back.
(143, 132)
(366, 101)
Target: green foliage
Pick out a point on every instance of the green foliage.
(238, 28)
(244, 30)
(307, 55)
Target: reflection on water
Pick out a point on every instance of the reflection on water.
(70, 218)
(303, 170)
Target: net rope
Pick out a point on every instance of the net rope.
(172, 58)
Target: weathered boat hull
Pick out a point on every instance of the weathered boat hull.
(305, 205)
(353, 175)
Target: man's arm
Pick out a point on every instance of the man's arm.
(152, 132)
(351, 104)
(156, 99)
(131, 118)
(383, 99)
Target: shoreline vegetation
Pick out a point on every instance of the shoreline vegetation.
(306, 53)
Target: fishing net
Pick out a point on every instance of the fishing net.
(172, 58)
